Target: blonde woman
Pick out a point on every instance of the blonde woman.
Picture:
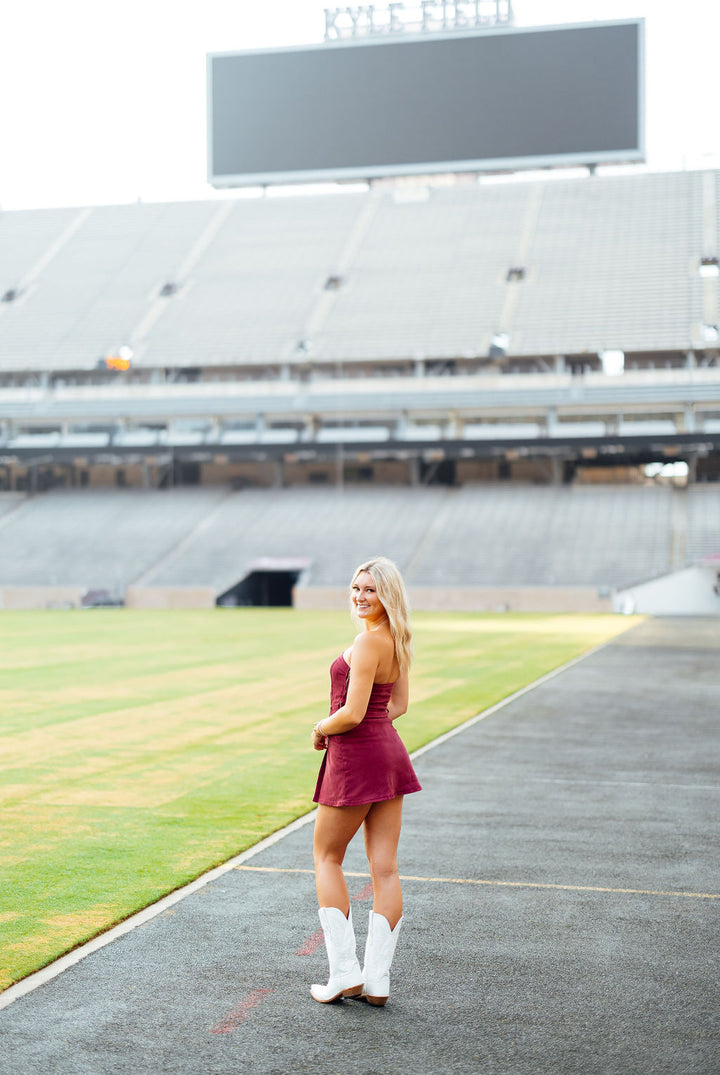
(364, 775)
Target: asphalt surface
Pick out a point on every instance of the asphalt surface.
(560, 865)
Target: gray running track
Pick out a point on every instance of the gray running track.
(548, 926)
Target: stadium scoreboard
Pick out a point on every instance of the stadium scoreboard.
(480, 100)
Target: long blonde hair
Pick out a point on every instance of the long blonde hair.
(393, 597)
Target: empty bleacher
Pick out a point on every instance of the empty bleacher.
(331, 528)
(703, 524)
(99, 540)
(606, 262)
(476, 535)
(428, 278)
(560, 536)
(249, 294)
(83, 296)
(613, 265)
(290, 334)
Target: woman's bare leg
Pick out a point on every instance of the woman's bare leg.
(382, 835)
(335, 827)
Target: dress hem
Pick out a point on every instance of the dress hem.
(368, 802)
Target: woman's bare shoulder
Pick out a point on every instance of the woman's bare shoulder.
(363, 642)
(369, 644)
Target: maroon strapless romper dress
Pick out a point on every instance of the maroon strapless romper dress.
(368, 764)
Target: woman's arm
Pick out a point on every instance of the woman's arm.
(399, 698)
(366, 654)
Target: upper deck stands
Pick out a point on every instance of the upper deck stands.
(613, 265)
(608, 262)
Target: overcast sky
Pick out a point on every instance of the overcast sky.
(106, 103)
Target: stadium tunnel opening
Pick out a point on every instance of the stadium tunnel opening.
(268, 583)
(261, 589)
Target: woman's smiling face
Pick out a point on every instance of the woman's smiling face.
(365, 600)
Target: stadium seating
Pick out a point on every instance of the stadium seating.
(103, 540)
(476, 535)
(534, 536)
(606, 262)
(89, 279)
(429, 278)
(264, 326)
(703, 524)
(9, 502)
(611, 266)
(248, 295)
(331, 528)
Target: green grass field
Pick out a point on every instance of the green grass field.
(139, 749)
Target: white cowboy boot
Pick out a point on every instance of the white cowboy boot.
(345, 974)
(379, 952)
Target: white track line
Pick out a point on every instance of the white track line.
(504, 884)
(42, 977)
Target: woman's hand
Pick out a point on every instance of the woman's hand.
(319, 741)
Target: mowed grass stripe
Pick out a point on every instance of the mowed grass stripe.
(75, 689)
(139, 749)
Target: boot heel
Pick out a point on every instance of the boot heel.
(379, 951)
(344, 967)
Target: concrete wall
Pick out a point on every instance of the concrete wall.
(35, 597)
(40, 597)
(471, 599)
(170, 597)
(422, 598)
(684, 593)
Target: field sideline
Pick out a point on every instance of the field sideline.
(139, 749)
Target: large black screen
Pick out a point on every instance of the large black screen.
(473, 101)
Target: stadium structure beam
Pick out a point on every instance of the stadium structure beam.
(624, 449)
